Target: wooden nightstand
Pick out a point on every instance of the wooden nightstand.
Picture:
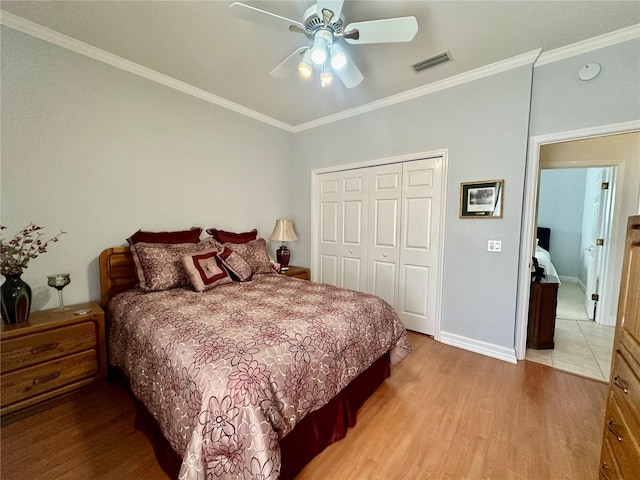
(298, 272)
(50, 355)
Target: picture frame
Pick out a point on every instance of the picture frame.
(481, 199)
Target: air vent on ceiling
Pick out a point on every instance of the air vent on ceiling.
(431, 62)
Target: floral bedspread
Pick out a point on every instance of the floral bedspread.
(228, 372)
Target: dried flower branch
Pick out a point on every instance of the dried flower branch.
(25, 246)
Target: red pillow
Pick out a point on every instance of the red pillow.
(231, 237)
(183, 236)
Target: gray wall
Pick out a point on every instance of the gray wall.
(484, 125)
(562, 103)
(561, 207)
(100, 153)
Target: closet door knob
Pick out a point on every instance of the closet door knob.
(351, 251)
(384, 255)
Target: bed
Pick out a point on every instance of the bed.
(543, 243)
(247, 379)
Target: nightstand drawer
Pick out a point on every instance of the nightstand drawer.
(36, 380)
(42, 346)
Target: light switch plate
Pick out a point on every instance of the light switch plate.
(494, 246)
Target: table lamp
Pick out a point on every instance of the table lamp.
(283, 232)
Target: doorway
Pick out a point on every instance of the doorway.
(615, 145)
(574, 208)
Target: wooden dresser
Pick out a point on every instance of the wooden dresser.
(51, 354)
(542, 313)
(620, 455)
(298, 272)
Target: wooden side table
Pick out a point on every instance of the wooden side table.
(298, 272)
(52, 354)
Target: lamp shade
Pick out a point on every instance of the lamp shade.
(283, 231)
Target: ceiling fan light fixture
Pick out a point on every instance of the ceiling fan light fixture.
(338, 58)
(326, 77)
(304, 67)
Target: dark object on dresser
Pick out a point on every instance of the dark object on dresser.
(538, 272)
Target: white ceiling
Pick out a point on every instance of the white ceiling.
(202, 44)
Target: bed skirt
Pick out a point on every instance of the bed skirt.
(311, 436)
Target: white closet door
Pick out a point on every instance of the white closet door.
(383, 252)
(420, 244)
(342, 232)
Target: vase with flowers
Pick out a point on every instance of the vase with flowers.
(15, 254)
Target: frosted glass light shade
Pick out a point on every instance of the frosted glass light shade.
(304, 67)
(338, 58)
(319, 51)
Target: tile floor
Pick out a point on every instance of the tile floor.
(581, 345)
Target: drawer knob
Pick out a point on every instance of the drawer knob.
(46, 378)
(613, 431)
(603, 471)
(43, 348)
(621, 384)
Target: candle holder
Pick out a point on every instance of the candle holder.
(59, 281)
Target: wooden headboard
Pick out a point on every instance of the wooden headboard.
(544, 237)
(117, 273)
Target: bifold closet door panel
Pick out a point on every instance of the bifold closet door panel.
(342, 232)
(383, 252)
(420, 244)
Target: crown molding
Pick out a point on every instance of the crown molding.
(466, 77)
(590, 44)
(535, 57)
(48, 35)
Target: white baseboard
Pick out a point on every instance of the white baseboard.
(565, 279)
(575, 280)
(477, 346)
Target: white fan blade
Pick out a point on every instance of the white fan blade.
(334, 6)
(253, 14)
(389, 30)
(349, 74)
(289, 64)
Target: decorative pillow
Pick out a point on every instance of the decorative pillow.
(205, 270)
(235, 264)
(159, 265)
(183, 236)
(255, 254)
(230, 237)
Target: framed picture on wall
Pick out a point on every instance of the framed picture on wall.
(481, 199)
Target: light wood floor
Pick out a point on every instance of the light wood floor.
(444, 414)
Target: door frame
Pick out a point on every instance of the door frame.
(443, 154)
(527, 236)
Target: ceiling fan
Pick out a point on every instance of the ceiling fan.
(324, 25)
